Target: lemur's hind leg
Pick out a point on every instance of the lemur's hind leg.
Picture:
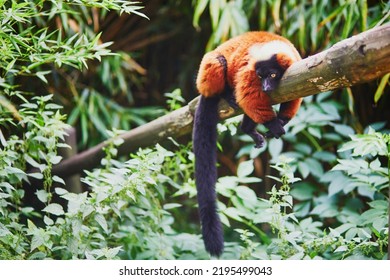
(248, 126)
(228, 92)
(228, 95)
(211, 79)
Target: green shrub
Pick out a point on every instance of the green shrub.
(329, 199)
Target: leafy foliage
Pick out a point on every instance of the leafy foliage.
(326, 195)
(42, 129)
(122, 215)
(54, 41)
(326, 21)
(132, 207)
(326, 212)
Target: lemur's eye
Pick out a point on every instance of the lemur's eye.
(273, 75)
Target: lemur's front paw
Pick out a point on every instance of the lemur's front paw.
(259, 140)
(283, 121)
(275, 128)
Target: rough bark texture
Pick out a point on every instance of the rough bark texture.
(359, 59)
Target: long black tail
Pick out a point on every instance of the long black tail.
(205, 150)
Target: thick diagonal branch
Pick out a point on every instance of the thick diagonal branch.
(359, 59)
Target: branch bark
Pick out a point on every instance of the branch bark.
(359, 59)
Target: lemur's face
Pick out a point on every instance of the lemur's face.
(270, 73)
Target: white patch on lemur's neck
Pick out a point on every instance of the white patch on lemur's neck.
(264, 51)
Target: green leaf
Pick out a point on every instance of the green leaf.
(29, 105)
(337, 184)
(36, 175)
(58, 179)
(297, 256)
(304, 169)
(302, 209)
(224, 219)
(245, 168)
(34, 163)
(215, 9)
(53, 106)
(344, 227)
(233, 213)
(315, 167)
(246, 194)
(303, 191)
(315, 131)
(288, 199)
(351, 233)
(87, 210)
(341, 248)
(45, 98)
(371, 214)
(42, 195)
(99, 218)
(303, 148)
(112, 252)
(380, 223)
(325, 210)
(37, 240)
(4, 230)
(199, 9)
(366, 190)
(379, 205)
(171, 206)
(48, 221)
(141, 189)
(249, 180)
(275, 147)
(325, 156)
(41, 76)
(27, 210)
(55, 209)
(60, 191)
(343, 129)
(54, 159)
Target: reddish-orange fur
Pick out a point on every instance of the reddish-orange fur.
(241, 76)
(233, 69)
(211, 79)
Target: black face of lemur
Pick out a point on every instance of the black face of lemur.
(270, 73)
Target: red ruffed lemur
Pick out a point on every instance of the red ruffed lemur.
(243, 70)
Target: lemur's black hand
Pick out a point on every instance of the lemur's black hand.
(275, 127)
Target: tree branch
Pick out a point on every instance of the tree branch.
(359, 59)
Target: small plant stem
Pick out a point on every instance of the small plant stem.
(312, 140)
(264, 237)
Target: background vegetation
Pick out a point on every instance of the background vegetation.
(103, 66)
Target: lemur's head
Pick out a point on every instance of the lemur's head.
(271, 61)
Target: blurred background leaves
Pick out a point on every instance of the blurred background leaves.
(113, 65)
